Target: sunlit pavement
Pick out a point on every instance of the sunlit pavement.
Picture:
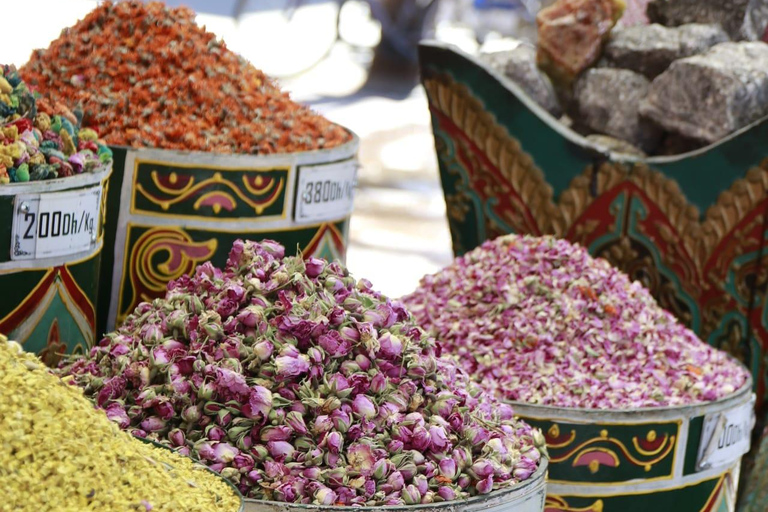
(398, 229)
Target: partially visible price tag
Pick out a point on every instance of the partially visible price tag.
(326, 192)
(725, 436)
(55, 224)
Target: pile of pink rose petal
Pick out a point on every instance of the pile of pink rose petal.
(538, 320)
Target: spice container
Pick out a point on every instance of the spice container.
(300, 384)
(53, 175)
(671, 458)
(629, 400)
(527, 496)
(689, 227)
(207, 150)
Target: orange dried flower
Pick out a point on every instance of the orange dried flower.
(147, 75)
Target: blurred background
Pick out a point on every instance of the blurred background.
(354, 62)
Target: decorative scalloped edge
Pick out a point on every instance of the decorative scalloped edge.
(732, 204)
(456, 102)
(699, 238)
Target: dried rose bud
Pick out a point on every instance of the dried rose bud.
(396, 480)
(380, 469)
(485, 486)
(448, 468)
(411, 495)
(191, 414)
(482, 468)
(177, 437)
(291, 366)
(325, 496)
(334, 441)
(296, 421)
(421, 483)
(153, 424)
(363, 406)
(280, 449)
(447, 493)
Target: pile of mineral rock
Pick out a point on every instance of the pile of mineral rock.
(692, 75)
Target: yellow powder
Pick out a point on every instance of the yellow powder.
(58, 453)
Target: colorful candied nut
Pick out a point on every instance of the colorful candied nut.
(39, 141)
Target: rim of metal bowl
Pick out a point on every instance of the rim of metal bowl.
(686, 409)
(353, 144)
(537, 477)
(65, 183)
(202, 466)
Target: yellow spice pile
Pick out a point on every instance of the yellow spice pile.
(57, 453)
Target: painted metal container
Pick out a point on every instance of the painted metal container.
(673, 458)
(169, 211)
(527, 496)
(692, 228)
(51, 240)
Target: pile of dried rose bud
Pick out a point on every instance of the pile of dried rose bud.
(300, 384)
(540, 321)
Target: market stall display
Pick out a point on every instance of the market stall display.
(95, 466)
(52, 177)
(689, 228)
(629, 399)
(207, 148)
(301, 384)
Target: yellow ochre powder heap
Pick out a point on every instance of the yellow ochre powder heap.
(58, 453)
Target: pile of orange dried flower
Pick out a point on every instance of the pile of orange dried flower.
(145, 75)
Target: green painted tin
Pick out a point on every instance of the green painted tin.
(169, 211)
(51, 240)
(692, 228)
(527, 496)
(671, 458)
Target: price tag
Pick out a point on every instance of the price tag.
(55, 224)
(326, 192)
(725, 436)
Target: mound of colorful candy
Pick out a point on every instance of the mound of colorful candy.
(300, 384)
(147, 76)
(540, 321)
(39, 141)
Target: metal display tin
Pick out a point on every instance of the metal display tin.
(49, 278)
(692, 228)
(664, 458)
(169, 211)
(527, 496)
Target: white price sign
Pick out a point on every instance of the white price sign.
(55, 224)
(725, 436)
(326, 192)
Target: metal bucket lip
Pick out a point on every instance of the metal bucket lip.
(537, 478)
(206, 468)
(691, 410)
(350, 147)
(58, 184)
(572, 135)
